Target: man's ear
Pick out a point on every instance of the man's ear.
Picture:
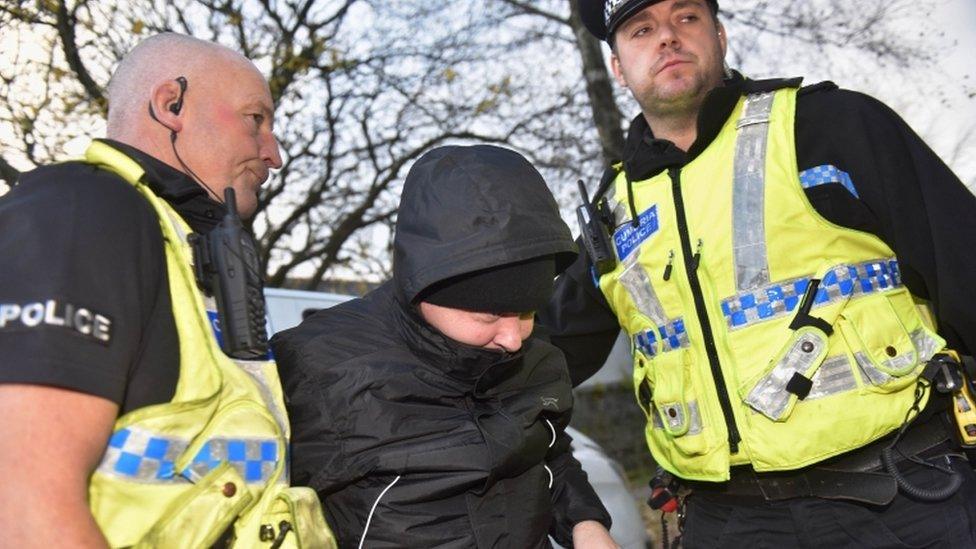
(618, 73)
(722, 38)
(162, 98)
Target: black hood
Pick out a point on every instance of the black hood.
(464, 209)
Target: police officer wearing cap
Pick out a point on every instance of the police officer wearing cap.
(791, 264)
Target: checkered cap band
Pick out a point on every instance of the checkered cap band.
(609, 8)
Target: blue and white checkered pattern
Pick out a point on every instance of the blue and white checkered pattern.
(138, 454)
(779, 298)
(827, 173)
(672, 336)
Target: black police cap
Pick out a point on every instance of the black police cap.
(602, 17)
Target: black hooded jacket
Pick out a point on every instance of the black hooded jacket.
(429, 442)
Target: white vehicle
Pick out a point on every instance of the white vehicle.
(286, 308)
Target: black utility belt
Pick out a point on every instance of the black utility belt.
(855, 476)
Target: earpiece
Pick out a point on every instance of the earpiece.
(175, 108)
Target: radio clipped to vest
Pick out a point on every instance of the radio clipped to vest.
(593, 232)
(226, 266)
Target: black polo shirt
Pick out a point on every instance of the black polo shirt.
(84, 294)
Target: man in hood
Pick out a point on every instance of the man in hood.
(425, 414)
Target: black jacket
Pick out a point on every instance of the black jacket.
(906, 196)
(453, 445)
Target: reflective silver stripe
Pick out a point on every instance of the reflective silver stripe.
(694, 417)
(926, 345)
(618, 211)
(748, 196)
(551, 477)
(833, 377)
(870, 373)
(769, 396)
(635, 280)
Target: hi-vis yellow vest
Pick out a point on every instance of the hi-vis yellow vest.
(708, 284)
(181, 474)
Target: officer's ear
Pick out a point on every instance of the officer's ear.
(618, 73)
(722, 38)
(165, 104)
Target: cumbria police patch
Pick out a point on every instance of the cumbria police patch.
(51, 312)
(628, 237)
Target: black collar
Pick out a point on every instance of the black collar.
(187, 197)
(645, 156)
(471, 369)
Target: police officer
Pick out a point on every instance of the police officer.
(123, 423)
(774, 252)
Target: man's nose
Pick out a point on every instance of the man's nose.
(666, 35)
(270, 153)
(509, 335)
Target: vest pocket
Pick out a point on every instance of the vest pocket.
(665, 393)
(201, 514)
(887, 340)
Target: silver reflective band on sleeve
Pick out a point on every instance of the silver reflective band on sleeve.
(553, 429)
(551, 477)
(769, 396)
(748, 195)
(373, 510)
(694, 418)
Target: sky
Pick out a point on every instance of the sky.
(944, 126)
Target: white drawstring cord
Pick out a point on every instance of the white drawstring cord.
(553, 429)
(375, 503)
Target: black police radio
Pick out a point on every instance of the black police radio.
(593, 232)
(226, 266)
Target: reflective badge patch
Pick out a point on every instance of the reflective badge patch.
(15, 316)
(628, 237)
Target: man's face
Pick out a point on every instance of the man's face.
(227, 135)
(498, 332)
(669, 55)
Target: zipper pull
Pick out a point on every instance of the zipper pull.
(667, 268)
(695, 259)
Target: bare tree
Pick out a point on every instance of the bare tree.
(366, 86)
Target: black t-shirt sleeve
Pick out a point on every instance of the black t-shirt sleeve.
(82, 264)
(905, 194)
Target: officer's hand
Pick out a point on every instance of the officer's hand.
(590, 534)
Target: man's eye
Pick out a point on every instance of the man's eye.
(641, 31)
(258, 118)
(690, 17)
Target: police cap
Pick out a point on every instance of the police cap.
(602, 17)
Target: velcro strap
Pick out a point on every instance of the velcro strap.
(799, 385)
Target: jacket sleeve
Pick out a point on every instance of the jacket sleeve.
(579, 321)
(317, 457)
(574, 499)
(904, 193)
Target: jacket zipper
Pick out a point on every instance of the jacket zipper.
(691, 267)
